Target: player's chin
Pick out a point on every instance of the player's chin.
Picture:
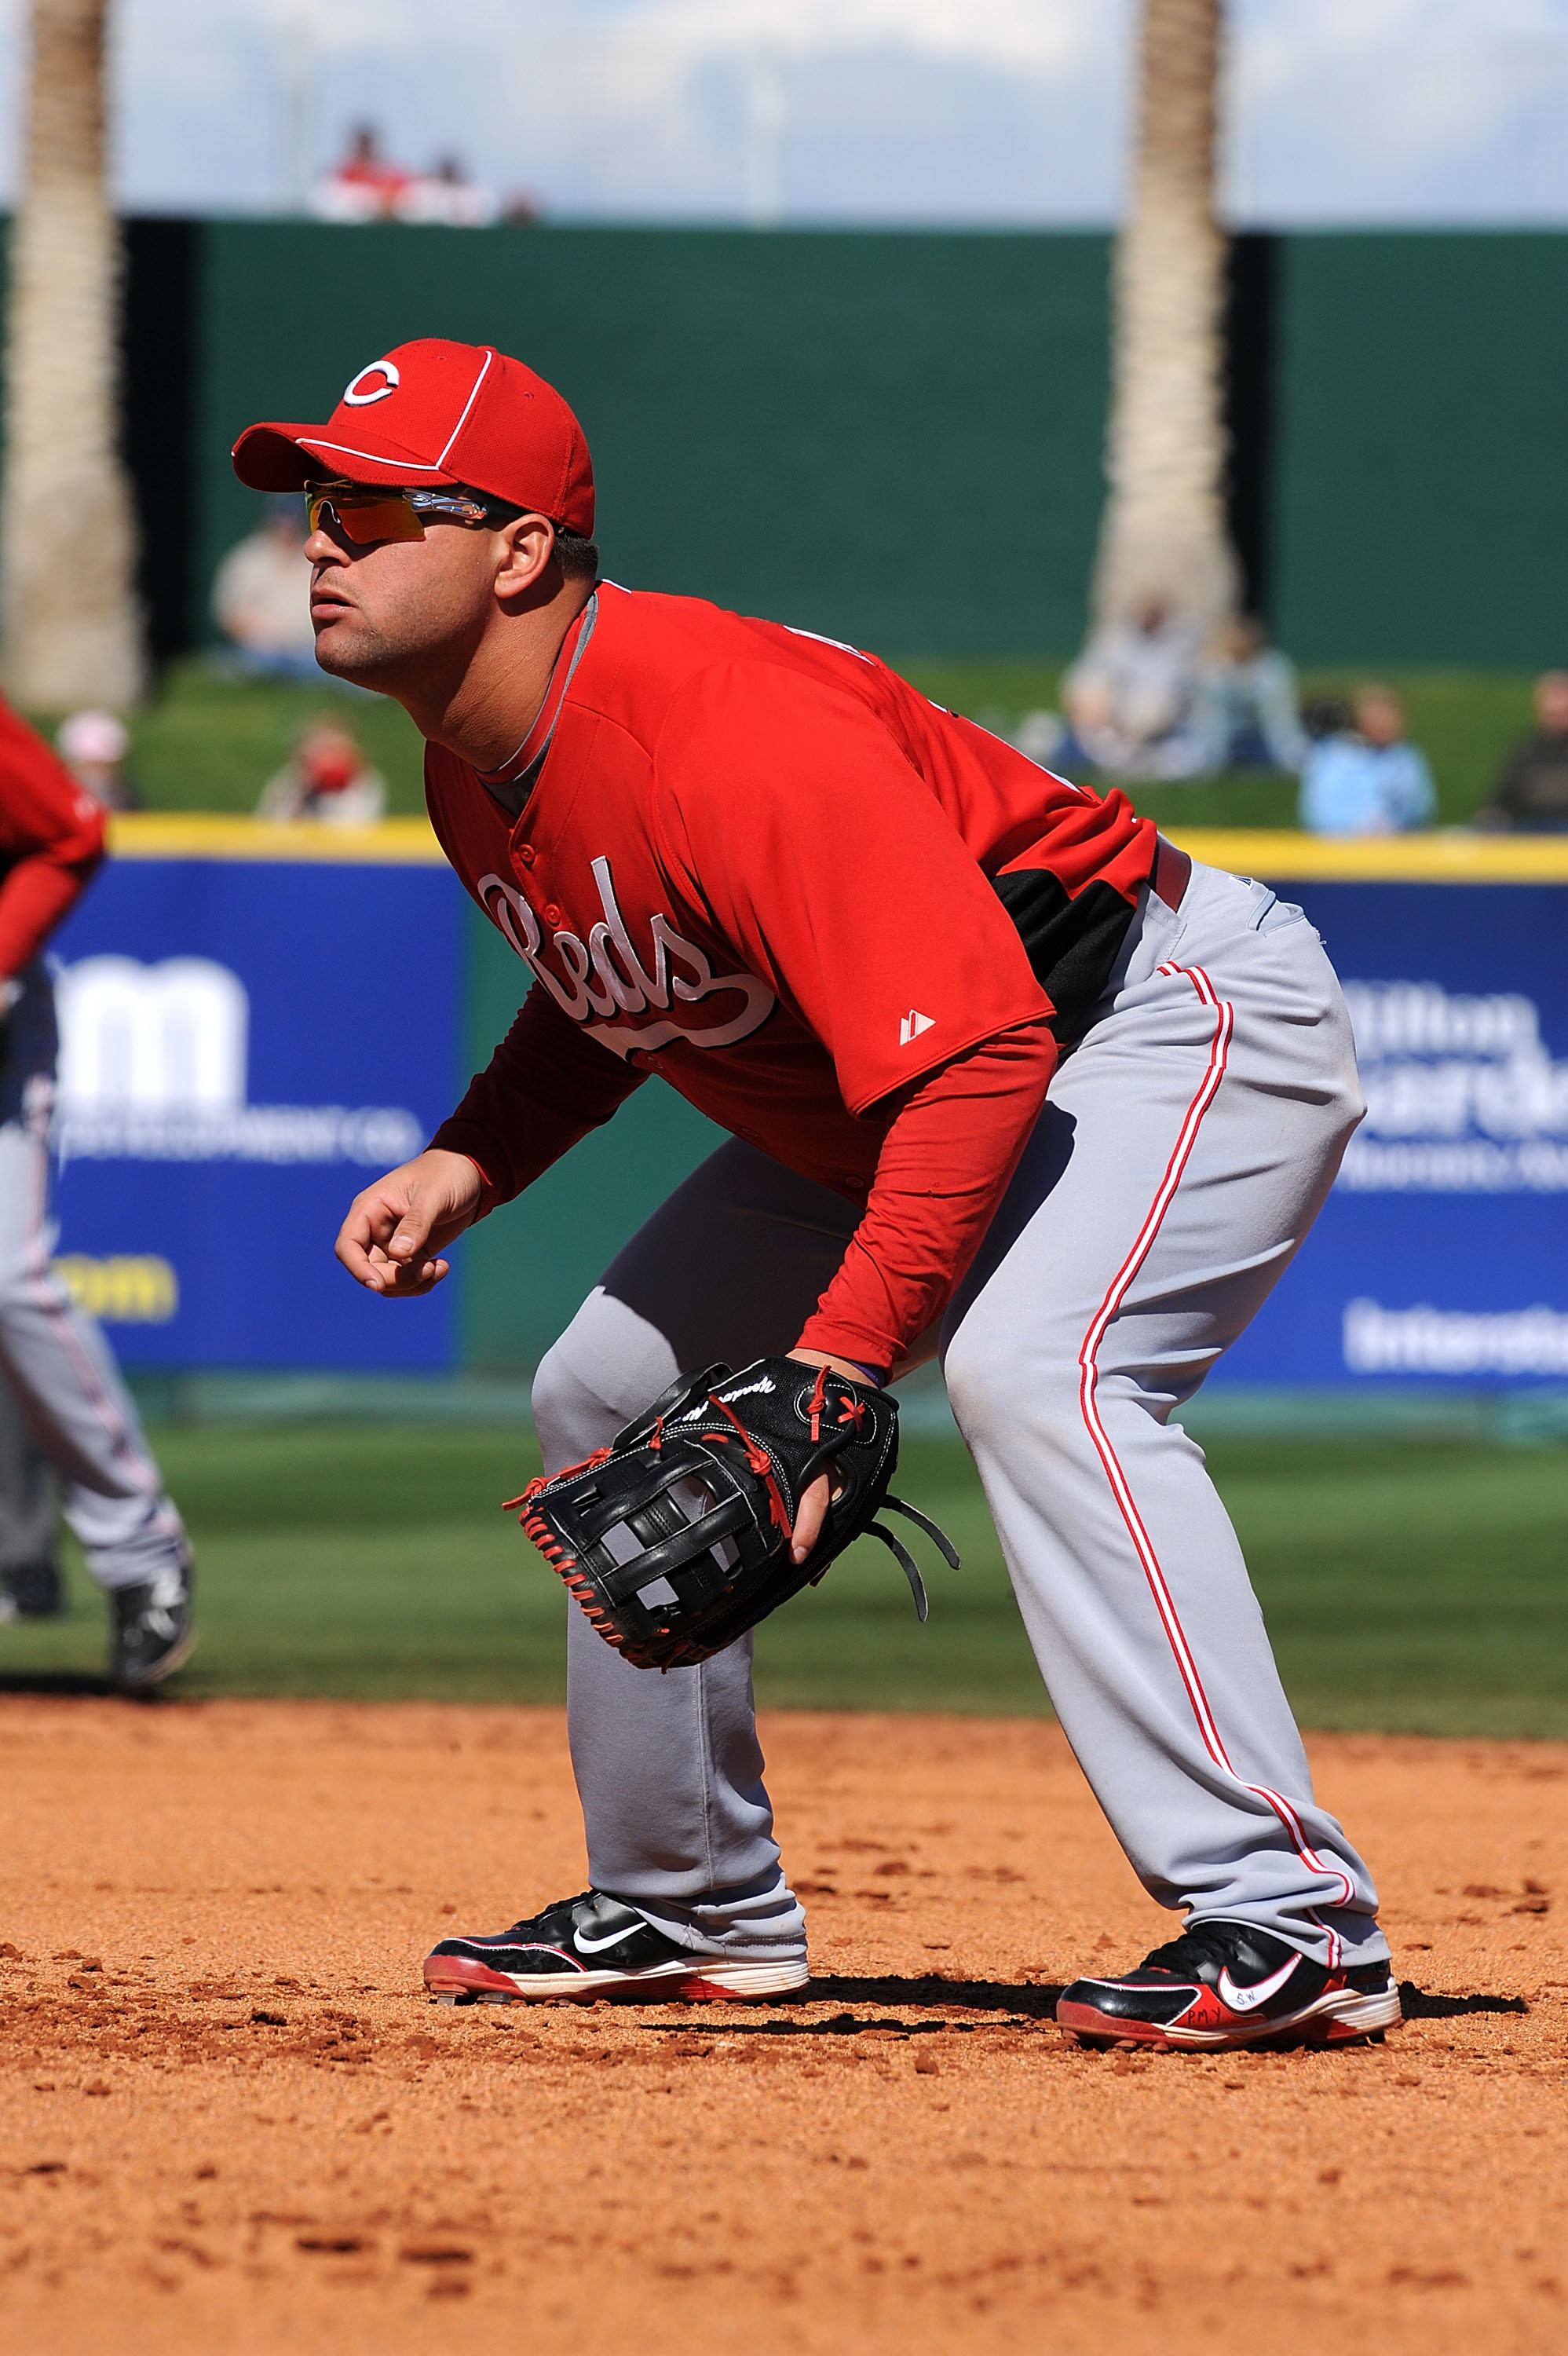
(342, 643)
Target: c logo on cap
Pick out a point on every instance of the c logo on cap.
(354, 399)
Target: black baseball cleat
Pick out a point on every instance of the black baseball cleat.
(150, 1630)
(31, 1591)
(1223, 1984)
(581, 1948)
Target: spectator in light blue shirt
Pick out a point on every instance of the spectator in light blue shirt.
(1246, 702)
(1368, 779)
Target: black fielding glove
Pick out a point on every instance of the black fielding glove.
(676, 1539)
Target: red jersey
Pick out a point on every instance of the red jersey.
(841, 921)
(52, 839)
(764, 866)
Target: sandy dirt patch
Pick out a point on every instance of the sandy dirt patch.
(230, 2123)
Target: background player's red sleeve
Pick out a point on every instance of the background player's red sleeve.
(51, 831)
(941, 1176)
(546, 1085)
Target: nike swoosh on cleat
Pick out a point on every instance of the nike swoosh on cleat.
(597, 1946)
(1247, 1999)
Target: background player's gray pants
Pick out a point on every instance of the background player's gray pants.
(1185, 1148)
(28, 1504)
(64, 1380)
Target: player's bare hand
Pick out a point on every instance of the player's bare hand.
(392, 1239)
(812, 1511)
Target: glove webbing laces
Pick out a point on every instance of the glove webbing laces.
(761, 1464)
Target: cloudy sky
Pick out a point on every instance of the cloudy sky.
(834, 109)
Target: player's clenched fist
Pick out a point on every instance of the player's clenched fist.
(392, 1240)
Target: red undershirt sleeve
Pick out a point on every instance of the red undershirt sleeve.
(545, 1087)
(946, 1163)
(53, 832)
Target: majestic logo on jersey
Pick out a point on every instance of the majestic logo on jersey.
(914, 1023)
(604, 977)
(354, 398)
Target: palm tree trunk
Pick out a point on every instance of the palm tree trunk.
(69, 613)
(1164, 528)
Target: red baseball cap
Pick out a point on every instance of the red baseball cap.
(433, 414)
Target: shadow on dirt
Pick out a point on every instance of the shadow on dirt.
(1417, 2005)
(851, 2024)
(53, 1681)
(1025, 1997)
(1022, 2001)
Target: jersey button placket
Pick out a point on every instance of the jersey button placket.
(525, 854)
(552, 913)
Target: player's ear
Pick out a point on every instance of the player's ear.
(527, 550)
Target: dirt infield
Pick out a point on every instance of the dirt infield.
(232, 2123)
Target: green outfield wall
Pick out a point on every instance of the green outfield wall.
(896, 437)
(1419, 467)
(889, 438)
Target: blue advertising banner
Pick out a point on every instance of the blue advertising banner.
(247, 1038)
(244, 1042)
(1441, 1257)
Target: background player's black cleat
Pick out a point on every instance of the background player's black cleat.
(150, 1630)
(591, 1946)
(1224, 1984)
(31, 1591)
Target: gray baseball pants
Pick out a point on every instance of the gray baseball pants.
(1185, 1148)
(29, 1506)
(62, 1374)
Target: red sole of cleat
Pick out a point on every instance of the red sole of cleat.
(709, 1992)
(457, 1979)
(456, 1975)
(1101, 2030)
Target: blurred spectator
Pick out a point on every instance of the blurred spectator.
(1131, 697)
(1531, 794)
(94, 746)
(1366, 779)
(1247, 714)
(329, 783)
(447, 198)
(261, 597)
(363, 187)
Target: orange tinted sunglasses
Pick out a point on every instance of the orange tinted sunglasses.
(369, 511)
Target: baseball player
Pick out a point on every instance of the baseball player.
(53, 1356)
(1008, 1080)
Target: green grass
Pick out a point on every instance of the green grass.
(1411, 1586)
(1407, 1585)
(208, 745)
